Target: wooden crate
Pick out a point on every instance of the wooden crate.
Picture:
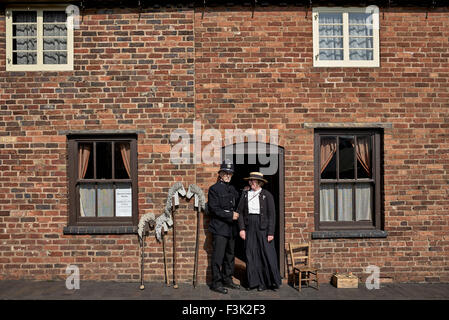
(344, 280)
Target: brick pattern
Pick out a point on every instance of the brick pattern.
(132, 72)
(260, 68)
(231, 69)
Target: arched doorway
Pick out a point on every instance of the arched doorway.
(246, 159)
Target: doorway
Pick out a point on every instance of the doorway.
(245, 160)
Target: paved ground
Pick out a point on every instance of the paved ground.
(91, 290)
(104, 300)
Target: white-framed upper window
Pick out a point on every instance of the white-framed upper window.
(39, 39)
(345, 37)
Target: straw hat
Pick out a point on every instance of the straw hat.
(256, 176)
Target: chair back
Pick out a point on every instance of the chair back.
(300, 254)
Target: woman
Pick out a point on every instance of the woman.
(257, 222)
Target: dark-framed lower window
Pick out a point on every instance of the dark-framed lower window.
(347, 179)
(102, 180)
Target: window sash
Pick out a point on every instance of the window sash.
(41, 54)
(355, 222)
(344, 211)
(75, 216)
(348, 51)
(97, 183)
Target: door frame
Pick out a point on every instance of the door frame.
(243, 146)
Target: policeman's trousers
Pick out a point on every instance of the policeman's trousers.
(222, 260)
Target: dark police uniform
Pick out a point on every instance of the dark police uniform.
(222, 202)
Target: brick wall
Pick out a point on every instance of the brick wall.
(236, 69)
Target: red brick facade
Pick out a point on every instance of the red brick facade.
(230, 68)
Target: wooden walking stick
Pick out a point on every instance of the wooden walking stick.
(195, 271)
(142, 253)
(165, 259)
(175, 284)
(145, 228)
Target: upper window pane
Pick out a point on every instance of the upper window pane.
(55, 16)
(360, 18)
(328, 165)
(346, 157)
(104, 160)
(122, 160)
(364, 150)
(24, 16)
(85, 161)
(330, 18)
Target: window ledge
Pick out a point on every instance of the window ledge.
(100, 230)
(347, 125)
(99, 132)
(349, 234)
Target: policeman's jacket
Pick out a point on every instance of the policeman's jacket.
(222, 202)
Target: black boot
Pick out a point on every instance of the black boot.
(232, 285)
(219, 290)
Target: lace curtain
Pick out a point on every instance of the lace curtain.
(24, 37)
(361, 37)
(54, 41)
(55, 37)
(331, 36)
(360, 31)
(363, 196)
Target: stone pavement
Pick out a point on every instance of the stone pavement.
(92, 290)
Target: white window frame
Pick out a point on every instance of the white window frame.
(39, 66)
(346, 62)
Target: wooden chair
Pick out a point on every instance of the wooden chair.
(300, 256)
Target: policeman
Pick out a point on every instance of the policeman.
(222, 201)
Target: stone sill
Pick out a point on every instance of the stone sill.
(100, 230)
(347, 125)
(349, 234)
(99, 132)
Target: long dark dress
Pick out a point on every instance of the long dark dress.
(261, 266)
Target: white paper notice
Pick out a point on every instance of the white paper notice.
(123, 202)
